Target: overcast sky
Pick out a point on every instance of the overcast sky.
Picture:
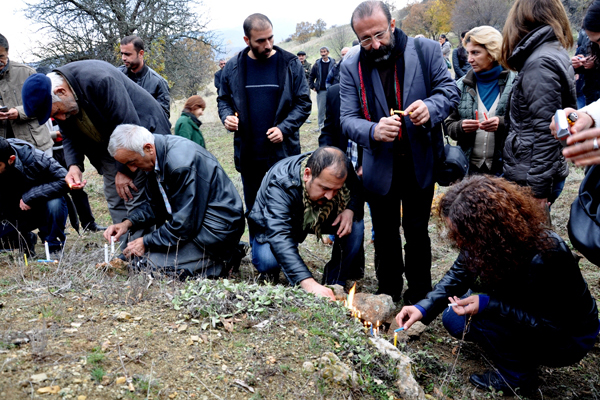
(226, 17)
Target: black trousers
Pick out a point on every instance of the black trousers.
(387, 219)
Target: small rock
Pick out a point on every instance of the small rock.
(123, 316)
(37, 378)
(106, 345)
(71, 330)
(308, 367)
(173, 395)
(105, 380)
(195, 338)
(82, 397)
(416, 330)
(77, 380)
(339, 292)
(76, 324)
(49, 389)
(182, 328)
(374, 308)
(191, 358)
(335, 371)
(121, 380)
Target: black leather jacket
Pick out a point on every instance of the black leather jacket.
(293, 105)
(34, 177)
(278, 213)
(152, 83)
(206, 207)
(551, 295)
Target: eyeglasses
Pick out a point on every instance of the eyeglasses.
(378, 36)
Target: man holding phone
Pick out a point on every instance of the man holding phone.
(14, 123)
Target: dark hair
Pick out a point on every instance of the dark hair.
(138, 43)
(462, 34)
(6, 150)
(3, 42)
(528, 15)
(497, 224)
(591, 21)
(193, 103)
(366, 9)
(325, 157)
(256, 21)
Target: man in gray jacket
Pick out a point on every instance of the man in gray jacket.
(197, 211)
(14, 122)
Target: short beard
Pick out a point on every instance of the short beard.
(260, 56)
(383, 53)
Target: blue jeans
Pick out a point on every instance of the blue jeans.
(557, 189)
(50, 218)
(515, 349)
(347, 258)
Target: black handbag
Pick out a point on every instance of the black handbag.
(584, 221)
(455, 166)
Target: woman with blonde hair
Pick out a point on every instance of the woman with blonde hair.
(188, 125)
(478, 122)
(536, 37)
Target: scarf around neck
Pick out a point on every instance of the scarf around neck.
(487, 85)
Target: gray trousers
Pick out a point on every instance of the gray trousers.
(322, 105)
(117, 207)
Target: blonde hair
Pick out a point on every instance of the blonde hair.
(528, 15)
(487, 37)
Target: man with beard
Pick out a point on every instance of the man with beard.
(312, 193)
(89, 99)
(132, 54)
(264, 99)
(402, 150)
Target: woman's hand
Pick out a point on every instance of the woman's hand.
(408, 316)
(583, 148)
(470, 125)
(470, 305)
(490, 124)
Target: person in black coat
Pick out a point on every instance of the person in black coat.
(503, 286)
(89, 99)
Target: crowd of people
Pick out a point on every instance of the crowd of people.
(382, 112)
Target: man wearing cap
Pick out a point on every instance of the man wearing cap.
(316, 81)
(89, 99)
(14, 123)
(305, 64)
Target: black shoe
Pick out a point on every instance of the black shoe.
(94, 227)
(492, 381)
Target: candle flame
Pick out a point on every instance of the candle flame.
(350, 299)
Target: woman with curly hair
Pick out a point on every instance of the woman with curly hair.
(523, 298)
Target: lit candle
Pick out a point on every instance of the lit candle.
(25, 255)
(105, 253)
(395, 339)
(47, 250)
(371, 328)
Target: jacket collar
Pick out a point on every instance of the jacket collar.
(528, 44)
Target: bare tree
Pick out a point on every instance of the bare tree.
(304, 31)
(342, 36)
(320, 27)
(92, 29)
(468, 14)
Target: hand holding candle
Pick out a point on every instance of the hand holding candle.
(231, 122)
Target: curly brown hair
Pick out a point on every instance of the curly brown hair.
(497, 224)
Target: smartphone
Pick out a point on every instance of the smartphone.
(3, 109)
(562, 126)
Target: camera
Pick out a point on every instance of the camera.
(562, 126)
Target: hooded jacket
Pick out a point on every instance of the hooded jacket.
(205, 206)
(24, 128)
(293, 105)
(545, 83)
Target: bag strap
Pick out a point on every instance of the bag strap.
(427, 81)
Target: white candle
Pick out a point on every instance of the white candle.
(47, 250)
(112, 246)
(105, 253)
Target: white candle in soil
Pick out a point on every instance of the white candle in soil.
(47, 250)
(112, 245)
(106, 253)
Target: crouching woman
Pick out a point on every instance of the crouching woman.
(516, 287)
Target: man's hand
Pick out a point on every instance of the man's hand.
(231, 123)
(311, 286)
(10, 114)
(345, 221)
(135, 248)
(274, 135)
(117, 230)
(387, 129)
(420, 112)
(408, 316)
(577, 61)
(470, 305)
(584, 121)
(581, 149)
(74, 178)
(470, 125)
(24, 206)
(123, 183)
(490, 124)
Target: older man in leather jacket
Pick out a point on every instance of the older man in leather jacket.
(197, 210)
(316, 193)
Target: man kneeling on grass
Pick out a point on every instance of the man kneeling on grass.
(33, 186)
(314, 193)
(195, 207)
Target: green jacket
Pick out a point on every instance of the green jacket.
(188, 126)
